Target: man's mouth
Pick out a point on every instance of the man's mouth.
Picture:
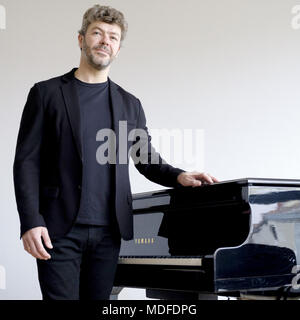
(102, 51)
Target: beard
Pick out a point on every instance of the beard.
(95, 60)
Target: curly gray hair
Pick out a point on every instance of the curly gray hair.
(104, 14)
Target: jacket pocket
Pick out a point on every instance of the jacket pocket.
(50, 192)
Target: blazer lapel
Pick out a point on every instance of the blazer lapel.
(72, 106)
(117, 110)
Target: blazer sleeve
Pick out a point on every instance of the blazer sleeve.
(149, 162)
(26, 167)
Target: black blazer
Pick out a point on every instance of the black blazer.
(48, 159)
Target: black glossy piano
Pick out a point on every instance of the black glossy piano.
(236, 238)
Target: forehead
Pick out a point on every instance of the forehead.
(107, 27)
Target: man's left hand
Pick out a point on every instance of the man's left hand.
(195, 179)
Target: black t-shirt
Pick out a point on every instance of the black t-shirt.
(95, 114)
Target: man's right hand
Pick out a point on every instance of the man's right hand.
(32, 242)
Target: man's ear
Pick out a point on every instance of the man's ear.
(80, 40)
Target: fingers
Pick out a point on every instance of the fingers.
(46, 238)
(196, 183)
(31, 248)
(32, 242)
(195, 179)
(214, 179)
(205, 177)
(39, 250)
(26, 246)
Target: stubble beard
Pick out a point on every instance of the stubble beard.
(94, 61)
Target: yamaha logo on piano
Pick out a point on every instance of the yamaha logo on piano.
(144, 240)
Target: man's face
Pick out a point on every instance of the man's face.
(101, 44)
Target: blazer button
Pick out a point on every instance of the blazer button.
(79, 187)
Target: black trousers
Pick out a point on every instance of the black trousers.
(82, 265)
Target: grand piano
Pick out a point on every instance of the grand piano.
(237, 238)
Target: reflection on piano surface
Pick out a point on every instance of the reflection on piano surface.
(229, 238)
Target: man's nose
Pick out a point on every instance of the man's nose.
(105, 39)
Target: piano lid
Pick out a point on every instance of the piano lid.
(263, 181)
(240, 181)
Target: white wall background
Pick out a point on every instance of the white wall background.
(228, 67)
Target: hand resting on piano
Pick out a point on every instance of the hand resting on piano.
(195, 179)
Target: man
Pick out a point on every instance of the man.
(73, 210)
